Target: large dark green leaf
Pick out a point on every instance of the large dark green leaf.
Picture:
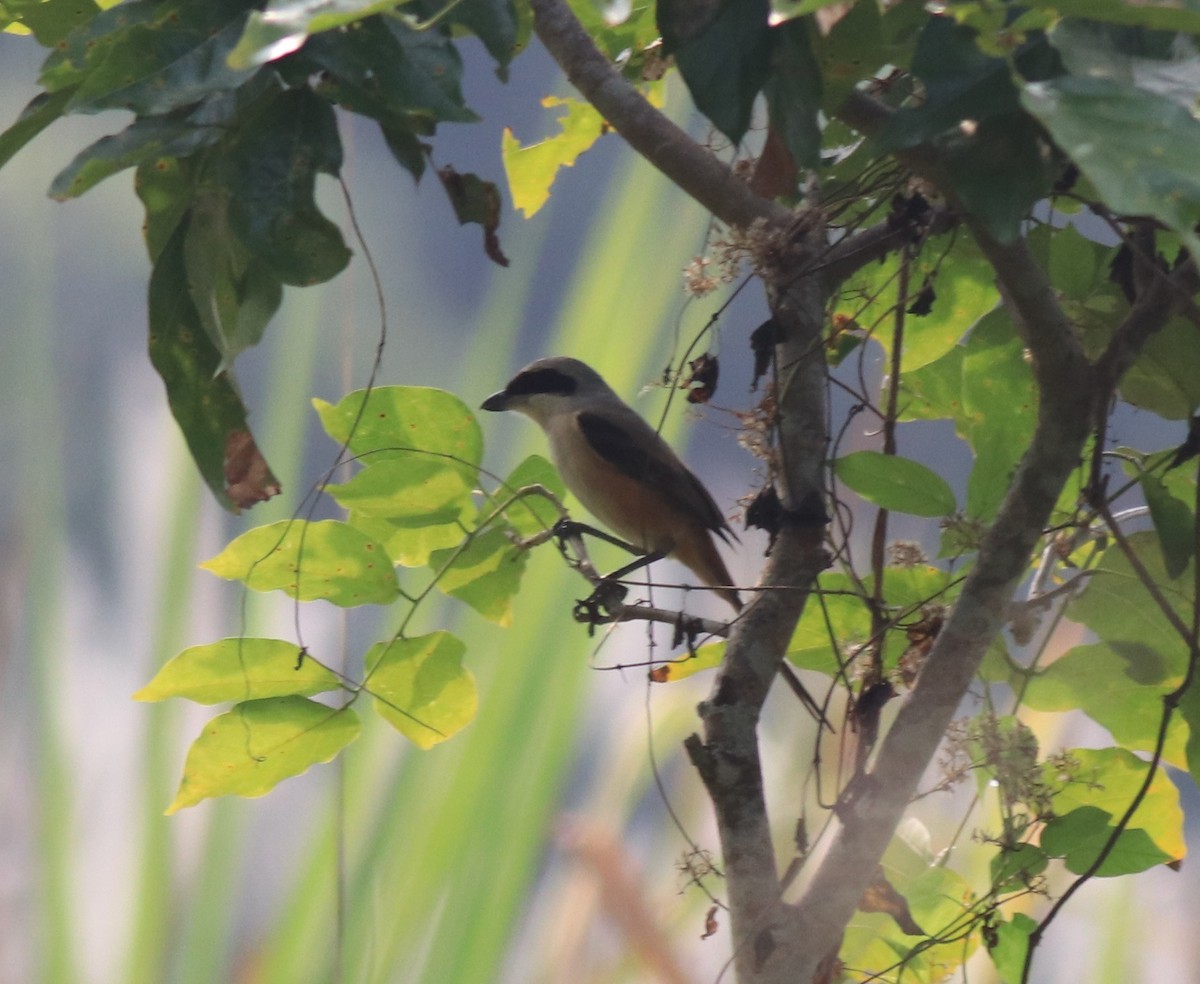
(1000, 171)
(269, 169)
(391, 73)
(50, 20)
(961, 82)
(171, 56)
(235, 293)
(494, 22)
(726, 63)
(42, 110)
(1138, 149)
(862, 42)
(794, 93)
(165, 185)
(1165, 379)
(285, 25)
(151, 137)
(204, 401)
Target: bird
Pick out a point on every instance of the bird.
(619, 467)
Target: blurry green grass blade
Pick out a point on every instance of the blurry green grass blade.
(42, 525)
(153, 928)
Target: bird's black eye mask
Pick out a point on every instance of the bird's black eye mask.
(541, 381)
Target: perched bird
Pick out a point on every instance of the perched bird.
(619, 468)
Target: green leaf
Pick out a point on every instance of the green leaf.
(532, 513)
(269, 169)
(410, 546)
(286, 24)
(895, 483)
(830, 625)
(486, 574)
(964, 282)
(165, 187)
(793, 92)
(204, 400)
(258, 744)
(413, 490)
(1165, 378)
(392, 73)
(50, 20)
(999, 407)
(863, 41)
(88, 45)
(935, 391)
(1087, 809)
(1118, 608)
(338, 563)
(234, 292)
(1189, 709)
(398, 420)
(421, 688)
(144, 139)
(960, 81)
(1174, 524)
(1120, 686)
(531, 169)
(171, 57)
(1155, 16)
(1000, 171)
(41, 111)
(1012, 946)
(726, 63)
(239, 669)
(494, 22)
(1137, 148)
(1014, 868)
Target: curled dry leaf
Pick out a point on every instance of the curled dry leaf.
(248, 477)
(701, 383)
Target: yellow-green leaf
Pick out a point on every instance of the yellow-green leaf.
(421, 687)
(239, 669)
(706, 657)
(486, 574)
(1100, 792)
(410, 546)
(531, 170)
(413, 490)
(398, 420)
(327, 559)
(532, 513)
(252, 748)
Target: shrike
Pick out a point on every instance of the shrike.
(619, 468)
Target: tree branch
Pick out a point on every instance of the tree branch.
(872, 808)
(647, 131)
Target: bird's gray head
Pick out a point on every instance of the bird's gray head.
(546, 385)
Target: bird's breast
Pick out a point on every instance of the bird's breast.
(633, 509)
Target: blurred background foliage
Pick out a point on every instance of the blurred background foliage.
(532, 848)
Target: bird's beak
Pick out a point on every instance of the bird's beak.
(495, 402)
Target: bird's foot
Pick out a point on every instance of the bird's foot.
(606, 600)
